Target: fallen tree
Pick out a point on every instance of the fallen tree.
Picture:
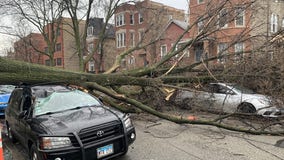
(14, 72)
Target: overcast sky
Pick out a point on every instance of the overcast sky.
(180, 4)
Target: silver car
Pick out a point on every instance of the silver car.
(230, 98)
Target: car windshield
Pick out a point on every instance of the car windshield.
(243, 89)
(6, 89)
(63, 100)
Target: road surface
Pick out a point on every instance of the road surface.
(162, 140)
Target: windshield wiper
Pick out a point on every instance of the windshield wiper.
(75, 108)
(49, 113)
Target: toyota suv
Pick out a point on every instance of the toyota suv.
(57, 122)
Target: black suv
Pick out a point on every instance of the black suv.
(57, 122)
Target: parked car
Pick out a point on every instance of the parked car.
(56, 122)
(231, 98)
(5, 92)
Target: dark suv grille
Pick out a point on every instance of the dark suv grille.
(90, 135)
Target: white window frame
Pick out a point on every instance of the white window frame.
(132, 39)
(200, 26)
(239, 50)
(283, 22)
(140, 18)
(131, 17)
(222, 51)
(239, 14)
(163, 52)
(141, 35)
(90, 47)
(90, 31)
(131, 60)
(120, 20)
(120, 40)
(222, 17)
(274, 23)
(91, 66)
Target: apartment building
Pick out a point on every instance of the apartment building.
(65, 55)
(234, 27)
(138, 24)
(29, 49)
(103, 51)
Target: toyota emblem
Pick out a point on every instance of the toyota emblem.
(100, 133)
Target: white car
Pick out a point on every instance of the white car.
(230, 98)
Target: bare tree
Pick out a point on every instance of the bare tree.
(45, 16)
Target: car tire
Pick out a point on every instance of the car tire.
(34, 153)
(246, 108)
(10, 134)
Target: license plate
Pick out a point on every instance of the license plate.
(105, 150)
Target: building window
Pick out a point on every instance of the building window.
(91, 66)
(131, 19)
(120, 40)
(59, 61)
(58, 32)
(90, 47)
(200, 26)
(198, 54)
(239, 51)
(141, 35)
(100, 48)
(240, 19)
(163, 50)
(132, 39)
(90, 31)
(222, 52)
(186, 52)
(223, 18)
(46, 50)
(47, 62)
(140, 18)
(274, 23)
(282, 22)
(120, 19)
(200, 1)
(131, 60)
(58, 47)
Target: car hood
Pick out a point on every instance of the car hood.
(258, 99)
(74, 120)
(4, 98)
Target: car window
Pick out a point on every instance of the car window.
(244, 90)
(63, 100)
(6, 89)
(16, 99)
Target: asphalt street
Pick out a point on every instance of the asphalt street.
(163, 140)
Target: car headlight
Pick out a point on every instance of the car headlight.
(127, 122)
(55, 142)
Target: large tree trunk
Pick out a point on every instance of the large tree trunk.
(14, 72)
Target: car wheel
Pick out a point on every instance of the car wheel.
(34, 153)
(10, 134)
(246, 108)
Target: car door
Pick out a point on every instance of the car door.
(224, 98)
(14, 110)
(23, 126)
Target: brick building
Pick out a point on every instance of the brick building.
(173, 30)
(28, 49)
(64, 51)
(237, 27)
(103, 57)
(138, 24)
